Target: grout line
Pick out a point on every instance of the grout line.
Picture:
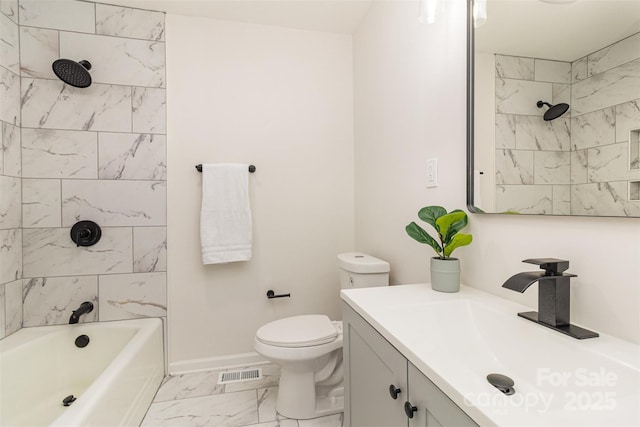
(98, 155)
(131, 108)
(85, 33)
(61, 204)
(88, 130)
(18, 129)
(94, 83)
(133, 251)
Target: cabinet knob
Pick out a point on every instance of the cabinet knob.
(394, 391)
(409, 409)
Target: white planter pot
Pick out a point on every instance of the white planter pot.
(445, 274)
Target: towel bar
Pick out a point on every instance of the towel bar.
(252, 168)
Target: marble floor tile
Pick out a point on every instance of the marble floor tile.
(188, 386)
(279, 423)
(267, 404)
(196, 400)
(222, 410)
(328, 421)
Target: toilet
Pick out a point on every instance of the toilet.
(308, 348)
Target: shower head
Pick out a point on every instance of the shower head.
(73, 73)
(554, 111)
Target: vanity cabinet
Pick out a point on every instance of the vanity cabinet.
(382, 387)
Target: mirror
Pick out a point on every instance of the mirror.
(554, 107)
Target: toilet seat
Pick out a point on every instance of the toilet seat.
(298, 331)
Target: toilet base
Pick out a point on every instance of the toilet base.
(329, 405)
(300, 398)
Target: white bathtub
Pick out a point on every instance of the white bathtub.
(114, 377)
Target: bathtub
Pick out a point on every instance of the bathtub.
(114, 378)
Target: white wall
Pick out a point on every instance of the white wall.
(409, 105)
(281, 99)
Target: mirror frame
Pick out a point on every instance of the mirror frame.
(470, 131)
(470, 113)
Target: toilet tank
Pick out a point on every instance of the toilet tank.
(358, 270)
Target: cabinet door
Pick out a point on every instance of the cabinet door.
(372, 366)
(434, 408)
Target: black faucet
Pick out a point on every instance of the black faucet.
(553, 296)
(85, 307)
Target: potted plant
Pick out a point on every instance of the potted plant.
(445, 270)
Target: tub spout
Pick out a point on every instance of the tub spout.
(85, 307)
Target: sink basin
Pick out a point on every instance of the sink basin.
(458, 339)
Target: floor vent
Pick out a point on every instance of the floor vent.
(239, 376)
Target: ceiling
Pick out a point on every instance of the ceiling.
(532, 28)
(564, 32)
(335, 16)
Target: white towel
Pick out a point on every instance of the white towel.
(225, 217)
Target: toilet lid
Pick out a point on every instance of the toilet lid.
(298, 331)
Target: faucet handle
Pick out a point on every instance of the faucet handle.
(551, 266)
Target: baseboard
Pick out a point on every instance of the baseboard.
(215, 363)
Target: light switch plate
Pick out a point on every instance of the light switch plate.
(432, 173)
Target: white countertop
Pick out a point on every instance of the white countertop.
(458, 339)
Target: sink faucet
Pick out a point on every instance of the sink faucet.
(553, 296)
(85, 307)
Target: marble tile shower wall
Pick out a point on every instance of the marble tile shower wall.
(97, 153)
(606, 115)
(532, 155)
(10, 172)
(583, 162)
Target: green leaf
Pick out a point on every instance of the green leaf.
(430, 214)
(457, 226)
(417, 233)
(446, 221)
(457, 241)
